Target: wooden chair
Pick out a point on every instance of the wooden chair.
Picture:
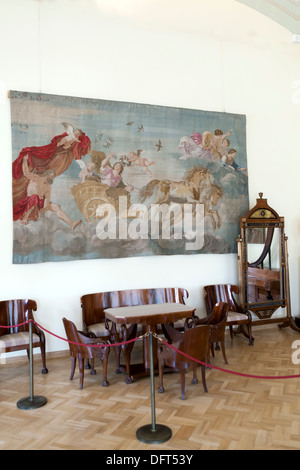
(94, 322)
(217, 321)
(193, 342)
(16, 338)
(81, 347)
(95, 325)
(236, 316)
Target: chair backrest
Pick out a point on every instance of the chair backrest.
(221, 293)
(15, 312)
(76, 344)
(93, 305)
(194, 343)
(219, 313)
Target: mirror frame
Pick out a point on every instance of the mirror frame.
(264, 216)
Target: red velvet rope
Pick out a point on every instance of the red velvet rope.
(229, 371)
(72, 342)
(89, 345)
(168, 345)
(15, 326)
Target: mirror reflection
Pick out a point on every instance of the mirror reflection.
(263, 254)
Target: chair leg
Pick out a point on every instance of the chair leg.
(208, 355)
(73, 367)
(251, 339)
(182, 382)
(43, 353)
(127, 355)
(223, 351)
(161, 375)
(93, 371)
(81, 372)
(204, 378)
(195, 379)
(247, 333)
(117, 351)
(104, 367)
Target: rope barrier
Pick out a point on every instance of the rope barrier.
(164, 342)
(226, 370)
(105, 345)
(90, 345)
(16, 326)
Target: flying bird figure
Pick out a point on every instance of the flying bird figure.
(141, 128)
(108, 143)
(99, 135)
(159, 146)
(130, 123)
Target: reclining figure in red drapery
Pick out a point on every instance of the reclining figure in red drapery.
(56, 156)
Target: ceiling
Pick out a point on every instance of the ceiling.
(284, 12)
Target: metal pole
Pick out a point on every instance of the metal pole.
(152, 383)
(31, 402)
(153, 433)
(31, 361)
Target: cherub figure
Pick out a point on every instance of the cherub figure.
(229, 159)
(87, 170)
(73, 136)
(137, 159)
(220, 144)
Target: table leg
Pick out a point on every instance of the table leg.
(128, 334)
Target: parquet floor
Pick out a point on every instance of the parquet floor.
(237, 413)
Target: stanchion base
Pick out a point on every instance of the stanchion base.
(161, 434)
(29, 403)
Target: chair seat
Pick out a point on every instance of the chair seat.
(236, 316)
(179, 324)
(17, 339)
(98, 329)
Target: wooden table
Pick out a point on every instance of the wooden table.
(150, 316)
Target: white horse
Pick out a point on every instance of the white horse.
(196, 188)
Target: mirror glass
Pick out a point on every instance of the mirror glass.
(264, 260)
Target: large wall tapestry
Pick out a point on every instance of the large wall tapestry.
(106, 179)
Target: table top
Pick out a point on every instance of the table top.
(150, 313)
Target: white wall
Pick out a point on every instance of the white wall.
(215, 55)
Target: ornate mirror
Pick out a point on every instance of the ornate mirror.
(263, 265)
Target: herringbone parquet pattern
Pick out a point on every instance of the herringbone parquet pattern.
(237, 413)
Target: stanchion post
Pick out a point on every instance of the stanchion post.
(31, 402)
(153, 433)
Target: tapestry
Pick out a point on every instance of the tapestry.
(108, 179)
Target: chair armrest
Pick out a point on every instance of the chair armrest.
(204, 320)
(86, 339)
(172, 334)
